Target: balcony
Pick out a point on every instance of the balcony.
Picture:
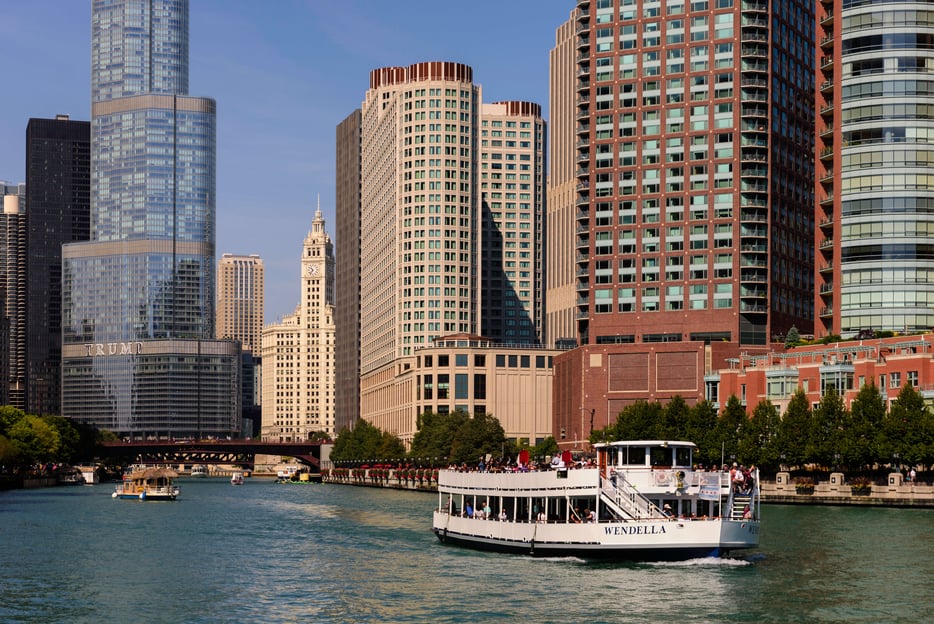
(826, 42)
(755, 5)
(826, 153)
(826, 268)
(826, 62)
(826, 86)
(827, 243)
(826, 311)
(826, 289)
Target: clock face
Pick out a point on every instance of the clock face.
(311, 269)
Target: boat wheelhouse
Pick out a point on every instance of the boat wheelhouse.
(643, 500)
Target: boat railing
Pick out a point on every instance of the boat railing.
(625, 500)
(744, 504)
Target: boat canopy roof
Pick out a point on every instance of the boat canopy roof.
(154, 473)
(644, 443)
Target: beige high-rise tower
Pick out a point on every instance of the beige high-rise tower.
(240, 294)
(298, 353)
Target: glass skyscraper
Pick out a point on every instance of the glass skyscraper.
(139, 355)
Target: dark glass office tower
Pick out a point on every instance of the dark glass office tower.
(58, 181)
(139, 355)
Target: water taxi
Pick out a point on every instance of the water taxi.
(152, 484)
(642, 500)
(236, 478)
(199, 471)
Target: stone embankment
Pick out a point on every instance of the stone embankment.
(835, 491)
(895, 492)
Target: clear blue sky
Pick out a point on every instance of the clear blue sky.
(284, 74)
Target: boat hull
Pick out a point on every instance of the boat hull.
(621, 541)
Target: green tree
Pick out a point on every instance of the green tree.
(794, 431)
(758, 437)
(36, 440)
(9, 416)
(729, 427)
(793, 337)
(827, 429)
(363, 442)
(639, 421)
(545, 448)
(436, 433)
(479, 436)
(9, 454)
(700, 429)
(674, 418)
(903, 429)
(866, 415)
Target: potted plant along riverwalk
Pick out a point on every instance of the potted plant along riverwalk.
(861, 486)
(804, 485)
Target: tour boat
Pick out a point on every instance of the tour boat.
(643, 500)
(199, 471)
(236, 478)
(152, 484)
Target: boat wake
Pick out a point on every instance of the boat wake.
(703, 562)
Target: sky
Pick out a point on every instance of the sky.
(284, 74)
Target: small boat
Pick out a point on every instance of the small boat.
(236, 478)
(152, 484)
(199, 472)
(642, 501)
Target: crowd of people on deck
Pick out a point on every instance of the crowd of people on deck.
(517, 465)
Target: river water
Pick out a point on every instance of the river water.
(329, 553)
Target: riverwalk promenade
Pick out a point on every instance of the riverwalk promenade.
(835, 490)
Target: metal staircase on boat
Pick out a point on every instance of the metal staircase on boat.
(626, 501)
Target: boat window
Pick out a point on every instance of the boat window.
(683, 456)
(634, 455)
(661, 456)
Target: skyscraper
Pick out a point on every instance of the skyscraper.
(240, 289)
(347, 322)
(447, 225)
(512, 215)
(13, 293)
(298, 353)
(58, 180)
(874, 190)
(139, 354)
(694, 193)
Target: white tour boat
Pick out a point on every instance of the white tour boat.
(236, 478)
(199, 471)
(643, 501)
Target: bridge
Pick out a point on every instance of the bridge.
(239, 452)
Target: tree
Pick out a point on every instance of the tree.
(365, 441)
(757, 443)
(828, 422)
(436, 433)
(479, 436)
(793, 337)
(9, 416)
(866, 415)
(545, 448)
(903, 430)
(729, 427)
(674, 418)
(795, 429)
(700, 429)
(638, 421)
(36, 440)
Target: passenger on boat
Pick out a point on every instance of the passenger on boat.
(589, 515)
(667, 511)
(502, 516)
(468, 510)
(487, 512)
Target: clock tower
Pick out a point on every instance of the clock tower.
(298, 353)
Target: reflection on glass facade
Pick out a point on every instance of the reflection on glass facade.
(146, 276)
(876, 270)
